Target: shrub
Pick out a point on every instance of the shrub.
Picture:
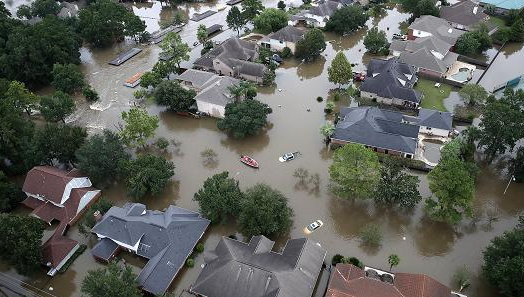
(330, 106)
(370, 234)
(320, 99)
(162, 143)
(286, 52)
(199, 248)
(356, 262)
(190, 263)
(90, 94)
(337, 258)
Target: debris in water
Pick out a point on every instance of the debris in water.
(279, 105)
(280, 90)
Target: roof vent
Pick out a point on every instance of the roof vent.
(475, 9)
(450, 30)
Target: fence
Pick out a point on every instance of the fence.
(509, 83)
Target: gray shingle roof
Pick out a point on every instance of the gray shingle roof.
(165, 238)
(325, 9)
(423, 58)
(288, 33)
(197, 78)
(217, 92)
(435, 119)
(237, 269)
(391, 79)
(464, 13)
(104, 249)
(437, 27)
(377, 128)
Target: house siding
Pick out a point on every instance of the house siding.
(388, 101)
(213, 110)
(375, 149)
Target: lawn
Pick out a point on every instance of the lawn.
(499, 22)
(433, 97)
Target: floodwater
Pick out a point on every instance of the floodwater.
(424, 246)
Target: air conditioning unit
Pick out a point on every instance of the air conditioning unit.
(378, 274)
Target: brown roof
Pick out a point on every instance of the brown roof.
(348, 280)
(56, 248)
(48, 182)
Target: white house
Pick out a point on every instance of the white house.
(285, 37)
(317, 16)
(434, 122)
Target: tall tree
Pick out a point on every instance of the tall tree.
(173, 47)
(376, 41)
(396, 186)
(219, 198)
(243, 90)
(270, 20)
(473, 94)
(67, 78)
(100, 157)
(10, 194)
(235, 19)
(58, 142)
(112, 281)
(202, 33)
(347, 19)
(147, 174)
(57, 107)
(42, 8)
(139, 126)
(21, 98)
(250, 9)
(517, 30)
(264, 211)
(311, 46)
(244, 118)
(355, 171)
(504, 261)
(517, 165)
(340, 71)
(171, 94)
(21, 240)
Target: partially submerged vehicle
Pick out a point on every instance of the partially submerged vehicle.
(288, 157)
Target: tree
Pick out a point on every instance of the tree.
(90, 94)
(425, 7)
(58, 142)
(504, 262)
(311, 46)
(135, 28)
(467, 44)
(396, 186)
(244, 118)
(502, 123)
(173, 47)
(517, 31)
(219, 198)
(376, 41)
(473, 94)
(39, 8)
(88, 219)
(170, 93)
(250, 9)
(355, 171)
(112, 280)
(57, 107)
(281, 5)
(150, 78)
(179, 18)
(99, 157)
(517, 165)
(10, 194)
(393, 260)
(243, 90)
(327, 130)
(264, 211)
(235, 19)
(147, 174)
(139, 126)
(270, 20)
(202, 33)
(104, 22)
(347, 19)
(21, 98)
(67, 78)
(21, 238)
(370, 235)
(340, 71)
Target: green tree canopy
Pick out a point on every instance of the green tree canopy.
(147, 174)
(340, 71)
(88, 220)
(281, 5)
(347, 19)
(250, 9)
(311, 46)
(99, 157)
(57, 107)
(58, 142)
(20, 97)
(202, 33)
(270, 20)
(421, 7)
(235, 19)
(517, 30)
(474, 42)
(396, 186)
(244, 118)
(21, 240)
(39, 8)
(264, 211)
(376, 41)
(139, 126)
(67, 78)
(10, 194)
(504, 262)
(393, 260)
(219, 198)
(473, 94)
(169, 93)
(243, 90)
(113, 281)
(355, 171)
(517, 165)
(173, 47)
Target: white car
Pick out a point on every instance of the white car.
(287, 157)
(313, 226)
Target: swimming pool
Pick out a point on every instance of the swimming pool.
(463, 75)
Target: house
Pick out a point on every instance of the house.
(391, 82)
(428, 25)
(434, 122)
(465, 15)
(348, 280)
(317, 16)
(503, 7)
(58, 195)
(238, 269)
(285, 37)
(165, 238)
(233, 57)
(194, 79)
(213, 29)
(381, 130)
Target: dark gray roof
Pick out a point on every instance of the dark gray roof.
(435, 119)
(197, 78)
(123, 57)
(200, 16)
(213, 28)
(423, 58)
(104, 249)
(217, 92)
(237, 269)
(464, 12)
(325, 9)
(391, 79)
(377, 128)
(437, 27)
(165, 238)
(288, 33)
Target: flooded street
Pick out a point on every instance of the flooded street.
(424, 246)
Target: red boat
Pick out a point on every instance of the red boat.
(249, 161)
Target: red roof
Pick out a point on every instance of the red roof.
(348, 280)
(48, 182)
(56, 248)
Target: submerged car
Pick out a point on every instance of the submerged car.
(313, 226)
(287, 157)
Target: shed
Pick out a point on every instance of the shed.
(123, 57)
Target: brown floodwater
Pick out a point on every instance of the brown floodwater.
(424, 246)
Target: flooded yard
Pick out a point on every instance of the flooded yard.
(424, 246)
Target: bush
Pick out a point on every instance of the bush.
(286, 53)
(320, 99)
(162, 143)
(232, 236)
(90, 94)
(199, 248)
(330, 106)
(190, 263)
(371, 234)
(356, 262)
(337, 258)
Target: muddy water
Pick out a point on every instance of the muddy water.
(429, 247)
(508, 65)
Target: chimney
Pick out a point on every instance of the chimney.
(97, 215)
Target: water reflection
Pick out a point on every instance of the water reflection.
(434, 238)
(308, 70)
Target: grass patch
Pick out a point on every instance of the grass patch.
(70, 261)
(497, 21)
(433, 96)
